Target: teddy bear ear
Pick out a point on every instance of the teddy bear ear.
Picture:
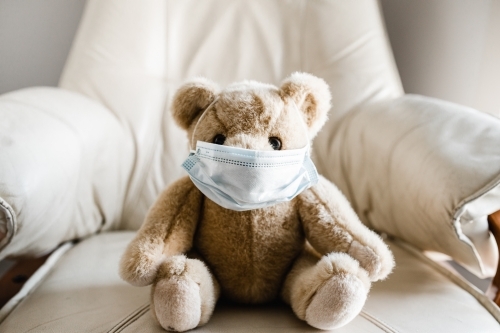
(311, 95)
(191, 99)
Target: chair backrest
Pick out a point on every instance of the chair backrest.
(131, 55)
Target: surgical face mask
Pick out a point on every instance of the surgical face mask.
(243, 179)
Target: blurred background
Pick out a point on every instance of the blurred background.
(443, 48)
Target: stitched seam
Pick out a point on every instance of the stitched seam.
(232, 153)
(377, 322)
(249, 164)
(133, 319)
(460, 282)
(125, 322)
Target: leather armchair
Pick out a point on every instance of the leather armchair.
(86, 160)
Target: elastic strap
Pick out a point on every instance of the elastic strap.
(199, 119)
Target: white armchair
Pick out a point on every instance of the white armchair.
(86, 160)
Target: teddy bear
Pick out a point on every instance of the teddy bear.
(254, 222)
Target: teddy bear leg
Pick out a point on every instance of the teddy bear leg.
(184, 294)
(328, 293)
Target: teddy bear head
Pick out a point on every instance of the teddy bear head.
(253, 115)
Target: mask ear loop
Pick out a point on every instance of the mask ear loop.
(193, 149)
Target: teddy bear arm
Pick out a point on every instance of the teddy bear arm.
(168, 230)
(331, 225)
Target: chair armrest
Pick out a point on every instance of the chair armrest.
(65, 161)
(423, 170)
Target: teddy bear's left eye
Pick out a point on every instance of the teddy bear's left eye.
(275, 143)
(219, 139)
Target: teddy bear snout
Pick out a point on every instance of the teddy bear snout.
(249, 141)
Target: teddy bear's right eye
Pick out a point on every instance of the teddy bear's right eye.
(275, 143)
(219, 139)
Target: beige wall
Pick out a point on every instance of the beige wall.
(35, 38)
(448, 49)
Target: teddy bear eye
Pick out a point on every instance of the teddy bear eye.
(219, 139)
(275, 143)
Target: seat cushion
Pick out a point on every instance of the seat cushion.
(83, 293)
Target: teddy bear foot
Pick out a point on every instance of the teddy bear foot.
(336, 302)
(328, 293)
(177, 304)
(340, 298)
(185, 295)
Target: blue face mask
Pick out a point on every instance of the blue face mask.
(243, 179)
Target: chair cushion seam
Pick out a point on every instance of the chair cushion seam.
(131, 318)
(459, 281)
(378, 322)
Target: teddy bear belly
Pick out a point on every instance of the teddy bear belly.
(250, 252)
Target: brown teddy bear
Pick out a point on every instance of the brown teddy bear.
(253, 221)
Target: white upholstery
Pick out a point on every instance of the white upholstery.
(132, 55)
(64, 166)
(83, 293)
(424, 170)
(95, 159)
(133, 70)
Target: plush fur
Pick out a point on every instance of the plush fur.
(312, 251)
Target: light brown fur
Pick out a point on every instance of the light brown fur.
(256, 255)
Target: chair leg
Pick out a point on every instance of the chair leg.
(494, 223)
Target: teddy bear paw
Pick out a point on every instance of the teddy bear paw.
(336, 302)
(341, 297)
(177, 304)
(367, 258)
(184, 295)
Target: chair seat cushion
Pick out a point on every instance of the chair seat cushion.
(83, 293)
